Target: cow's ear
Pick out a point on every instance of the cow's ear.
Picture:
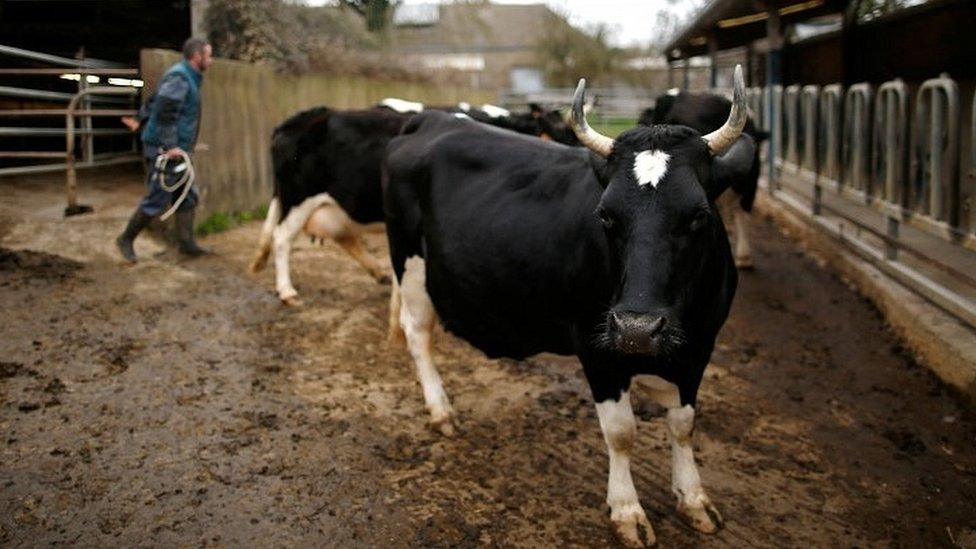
(599, 166)
(730, 167)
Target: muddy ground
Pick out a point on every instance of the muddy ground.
(176, 403)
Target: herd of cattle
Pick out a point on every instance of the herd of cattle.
(529, 233)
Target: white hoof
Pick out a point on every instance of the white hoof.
(633, 529)
(444, 425)
(703, 517)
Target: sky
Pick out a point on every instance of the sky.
(630, 22)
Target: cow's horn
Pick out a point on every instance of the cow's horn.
(722, 138)
(594, 140)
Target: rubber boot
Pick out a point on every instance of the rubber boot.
(184, 232)
(137, 223)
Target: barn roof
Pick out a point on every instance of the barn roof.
(735, 23)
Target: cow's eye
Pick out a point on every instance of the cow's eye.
(605, 217)
(699, 220)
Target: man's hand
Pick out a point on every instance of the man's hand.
(131, 123)
(175, 152)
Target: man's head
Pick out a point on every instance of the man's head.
(198, 53)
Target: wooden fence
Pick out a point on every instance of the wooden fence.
(242, 104)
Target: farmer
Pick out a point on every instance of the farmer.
(170, 131)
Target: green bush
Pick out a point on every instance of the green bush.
(221, 221)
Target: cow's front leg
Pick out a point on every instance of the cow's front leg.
(417, 318)
(619, 431)
(694, 506)
(743, 251)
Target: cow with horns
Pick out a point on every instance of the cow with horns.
(613, 253)
(705, 112)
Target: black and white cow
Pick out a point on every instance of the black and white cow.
(613, 253)
(547, 124)
(327, 184)
(705, 112)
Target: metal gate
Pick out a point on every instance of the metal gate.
(104, 89)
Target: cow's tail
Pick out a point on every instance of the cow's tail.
(267, 232)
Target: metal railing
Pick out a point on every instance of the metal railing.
(809, 96)
(889, 164)
(791, 121)
(754, 97)
(971, 237)
(86, 72)
(831, 113)
(857, 139)
(71, 181)
(774, 124)
(864, 144)
(936, 157)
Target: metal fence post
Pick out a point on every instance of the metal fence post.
(774, 117)
(937, 151)
(971, 240)
(891, 232)
(791, 109)
(754, 97)
(71, 181)
(810, 95)
(831, 102)
(857, 137)
(891, 140)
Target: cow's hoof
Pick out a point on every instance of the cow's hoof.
(291, 301)
(706, 518)
(444, 426)
(634, 530)
(396, 338)
(744, 263)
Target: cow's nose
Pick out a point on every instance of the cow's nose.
(656, 326)
(625, 321)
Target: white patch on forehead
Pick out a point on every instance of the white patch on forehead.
(401, 105)
(674, 91)
(650, 167)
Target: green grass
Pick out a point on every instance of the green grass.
(221, 221)
(612, 127)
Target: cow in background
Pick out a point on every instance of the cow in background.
(327, 184)
(327, 176)
(705, 112)
(547, 124)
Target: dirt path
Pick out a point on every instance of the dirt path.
(177, 403)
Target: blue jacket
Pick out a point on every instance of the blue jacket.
(174, 111)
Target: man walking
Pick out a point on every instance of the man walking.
(170, 129)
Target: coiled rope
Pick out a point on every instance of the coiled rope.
(186, 178)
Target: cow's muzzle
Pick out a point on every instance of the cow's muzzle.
(636, 333)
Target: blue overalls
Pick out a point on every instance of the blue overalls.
(174, 119)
